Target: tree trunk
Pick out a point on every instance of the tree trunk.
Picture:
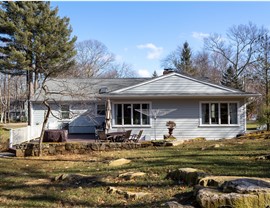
(43, 126)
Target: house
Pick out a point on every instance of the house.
(199, 108)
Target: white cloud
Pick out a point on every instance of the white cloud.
(200, 35)
(154, 51)
(144, 73)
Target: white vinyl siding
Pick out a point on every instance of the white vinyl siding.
(174, 84)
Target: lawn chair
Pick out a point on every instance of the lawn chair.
(103, 137)
(136, 137)
(126, 137)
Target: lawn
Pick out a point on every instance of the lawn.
(27, 182)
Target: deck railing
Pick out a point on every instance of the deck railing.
(24, 134)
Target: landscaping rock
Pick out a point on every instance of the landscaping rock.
(213, 198)
(189, 176)
(126, 194)
(263, 157)
(236, 192)
(174, 204)
(119, 162)
(131, 175)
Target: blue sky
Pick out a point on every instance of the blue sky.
(143, 33)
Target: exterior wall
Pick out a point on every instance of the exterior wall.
(83, 117)
(186, 115)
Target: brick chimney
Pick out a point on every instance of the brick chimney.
(167, 71)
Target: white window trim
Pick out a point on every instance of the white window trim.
(130, 125)
(219, 122)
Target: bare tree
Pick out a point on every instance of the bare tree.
(93, 58)
(238, 47)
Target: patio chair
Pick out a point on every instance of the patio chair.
(103, 137)
(126, 137)
(136, 137)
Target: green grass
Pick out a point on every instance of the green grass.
(26, 182)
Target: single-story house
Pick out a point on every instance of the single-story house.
(199, 108)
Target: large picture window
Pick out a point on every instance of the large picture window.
(219, 113)
(131, 114)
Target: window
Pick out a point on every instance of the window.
(131, 114)
(219, 113)
(65, 112)
(101, 109)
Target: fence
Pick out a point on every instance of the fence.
(20, 135)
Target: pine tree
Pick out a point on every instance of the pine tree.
(34, 41)
(154, 75)
(33, 38)
(230, 79)
(185, 62)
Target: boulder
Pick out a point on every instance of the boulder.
(175, 204)
(189, 176)
(126, 194)
(119, 162)
(236, 192)
(131, 175)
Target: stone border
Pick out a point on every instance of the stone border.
(32, 149)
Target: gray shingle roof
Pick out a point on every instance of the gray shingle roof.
(82, 89)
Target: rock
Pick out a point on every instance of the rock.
(174, 204)
(189, 176)
(213, 198)
(176, 142)
(126, 194)
(119, 162)
(236, 192)
(216, 181)
(131, 175)
(135, 195)
(263, 157)
(247, 185)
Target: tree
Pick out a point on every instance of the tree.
(35, 42)
(154, 75)
(180, 60)
(263, 70)
(185, 63)
(230, 79)
(93, 58)
(238, 48)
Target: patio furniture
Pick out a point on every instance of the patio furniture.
(55, 135)
(116, 136)
(103, 137)
(126, 137)
(136, 137)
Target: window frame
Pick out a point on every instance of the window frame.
(219, 113)
(98, 110)
(132, 117)
(61, 112)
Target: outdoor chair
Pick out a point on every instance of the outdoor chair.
(126, 137)
(136, 137)
(103, 137)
